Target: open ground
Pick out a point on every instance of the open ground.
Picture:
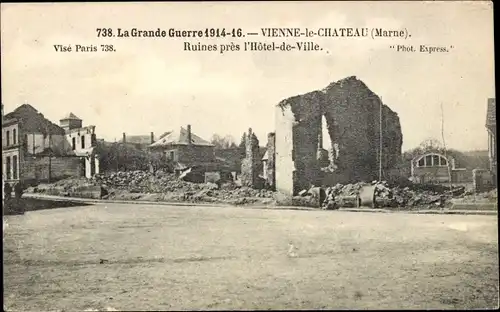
(147, 257)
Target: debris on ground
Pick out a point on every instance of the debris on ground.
(330, 203)
(430, 196)
(164, 186)
(124, 184)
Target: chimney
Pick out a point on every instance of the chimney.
(124, 138)
(152, 137)
(189, 134)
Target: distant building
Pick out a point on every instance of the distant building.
(491, 126)
(82, 142)
(29, 140)
(138, 141)
(185, 149)
(35, 149)
(433, 166)
(11, 152)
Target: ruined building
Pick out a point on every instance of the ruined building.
(268, 161)
(491, 126)
(352, 113)
(185, 149)
(34, 149)
(251, 163)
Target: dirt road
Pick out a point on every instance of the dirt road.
(131, 257)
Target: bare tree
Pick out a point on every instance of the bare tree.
(223, 142)
(243, 144)
(430, 144)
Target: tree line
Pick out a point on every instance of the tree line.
(227, 141)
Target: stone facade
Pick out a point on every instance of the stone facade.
(81, 141)
(11, 150)
(352, 113)
(51, 168)
(190, 154)
(185, 148)
(482, 180)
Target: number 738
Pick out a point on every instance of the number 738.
(107, 48)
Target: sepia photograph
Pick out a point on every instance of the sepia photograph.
(239, 155)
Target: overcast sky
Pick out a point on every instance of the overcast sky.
(153, 85)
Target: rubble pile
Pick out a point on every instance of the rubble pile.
(61, 187)
(471, 197)
(493, 194)
(347, 189)
(161, 186)
(72, 183)
(137, 185)
(396, 196)
(146, 182)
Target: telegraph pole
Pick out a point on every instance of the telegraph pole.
(444, 147)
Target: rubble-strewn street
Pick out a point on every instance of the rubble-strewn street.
(414, 195)
(143, 185)
(160, 186)
(291, 169)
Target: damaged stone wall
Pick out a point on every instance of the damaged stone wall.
(352, 113)
(270, 164)
(251, 163)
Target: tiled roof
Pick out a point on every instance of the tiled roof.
(34, 122)
(70, 116)
(491, 119)
(179, 137)
(6, 122)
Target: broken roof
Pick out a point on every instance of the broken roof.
(491, 119)
(180, 137)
